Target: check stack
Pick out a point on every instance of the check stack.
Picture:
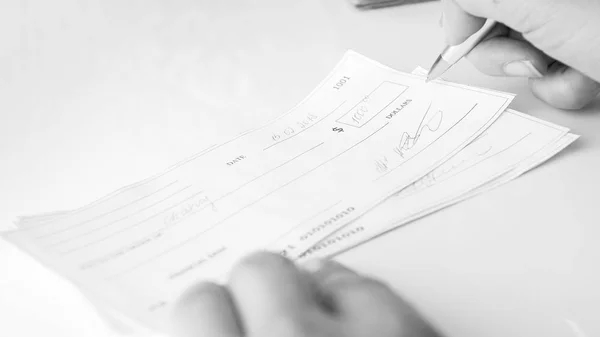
(369, 150)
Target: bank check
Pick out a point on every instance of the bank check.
(365, 133)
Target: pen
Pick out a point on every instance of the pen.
(452, 54)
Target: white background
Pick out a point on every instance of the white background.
(97, 94)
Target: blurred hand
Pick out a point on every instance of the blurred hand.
(556, 43)
(268, 296)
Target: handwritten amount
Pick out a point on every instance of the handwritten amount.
(360, 111)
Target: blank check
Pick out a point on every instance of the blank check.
(365, 133)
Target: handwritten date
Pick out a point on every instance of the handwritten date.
(292, 129)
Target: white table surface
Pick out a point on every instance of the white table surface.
(96, 94)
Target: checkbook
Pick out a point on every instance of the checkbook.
(512, 146)
(365, 139)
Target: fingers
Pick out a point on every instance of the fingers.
(565, 30)
(269, 289)
(558, 85)
(458, 24)
(327, 272)
(511, 55)
(269, 296)
(367, 307)
(565, 88)
(504, 56)
(521, 15)
(205, 310)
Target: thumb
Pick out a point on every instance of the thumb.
(565, 88)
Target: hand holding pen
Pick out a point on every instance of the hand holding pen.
(554, 43)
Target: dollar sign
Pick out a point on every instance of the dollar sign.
(338, 130)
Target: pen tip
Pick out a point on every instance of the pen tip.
(439, 67)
